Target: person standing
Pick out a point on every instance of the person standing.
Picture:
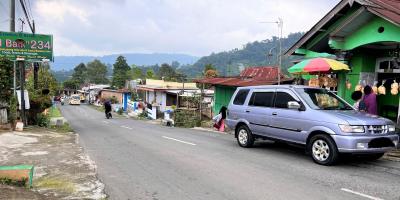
(220, 125)
(370, 101)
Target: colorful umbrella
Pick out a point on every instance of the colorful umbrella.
(317, 65)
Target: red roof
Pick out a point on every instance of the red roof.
(266, 75)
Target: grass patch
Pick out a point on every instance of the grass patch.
(65, 128)
(98, 108)
(8, 181)
(54, 112)
(55, 183)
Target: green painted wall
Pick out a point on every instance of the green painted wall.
(365, 61)
(222, 97)
(367, 34)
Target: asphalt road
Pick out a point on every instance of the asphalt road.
(139, 160)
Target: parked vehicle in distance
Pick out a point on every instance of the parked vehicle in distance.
(316, 118)
(75, 99)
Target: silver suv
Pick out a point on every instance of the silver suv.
(316, 118)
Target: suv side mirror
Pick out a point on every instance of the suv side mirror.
(294, 105)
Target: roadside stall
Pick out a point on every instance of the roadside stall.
(320, 72)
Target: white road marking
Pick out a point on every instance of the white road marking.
(126, 127)
(361, 194)
(106, 122)
(178, 140)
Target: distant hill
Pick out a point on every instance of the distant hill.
(230, 63)
(69, 62)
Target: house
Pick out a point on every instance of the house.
(91, 91)
(122, 96)
(366, 36)
(226, 86)
(163, 94)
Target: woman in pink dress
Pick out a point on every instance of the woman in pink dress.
(220, 125)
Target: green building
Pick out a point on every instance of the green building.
(224, 87)
(365, 34)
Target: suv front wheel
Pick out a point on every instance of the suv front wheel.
(244, 136)
(323, 150)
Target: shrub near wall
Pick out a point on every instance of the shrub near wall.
(186, 118)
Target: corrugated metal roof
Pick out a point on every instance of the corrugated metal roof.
(251, 76)
(387, 9)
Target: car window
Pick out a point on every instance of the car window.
(240, 97)
(282, 99)
(264, 99)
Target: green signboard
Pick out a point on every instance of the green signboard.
(31, 47)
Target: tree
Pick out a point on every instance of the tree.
(211, 73)
(175, 64)
(96, 72)
(46, 81)
(136, 72)
(150, 73)
(121, 72)
(6, 80)
(166, 72)
(208, 67)
(79, 76)
(71, 84)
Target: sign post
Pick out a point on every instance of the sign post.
(22, 47)
(31, 47)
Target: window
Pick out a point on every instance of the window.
(264, 99)
(241, 97)
(282, 99)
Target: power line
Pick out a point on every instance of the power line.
(27, 17)
(30, 9)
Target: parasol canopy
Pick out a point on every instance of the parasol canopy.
(314, 65)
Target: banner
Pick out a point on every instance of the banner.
(31, 47)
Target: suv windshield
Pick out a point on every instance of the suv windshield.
(322, 99)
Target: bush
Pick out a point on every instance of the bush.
(42, 120)
(114, 100)
(120, 111)
(12, 114)
(186, 118)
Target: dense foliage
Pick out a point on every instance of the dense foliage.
(227, 63)
(96, 72)
(230, 63)
(6, 80)
(120, 73)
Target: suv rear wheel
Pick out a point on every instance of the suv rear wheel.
(244, 136)
(323, 150)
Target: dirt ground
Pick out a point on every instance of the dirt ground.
(62, 169)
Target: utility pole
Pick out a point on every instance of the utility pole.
(12, 15)
(12, 29)
(280, 27)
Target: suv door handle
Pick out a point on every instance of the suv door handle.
(247, 111)
(274, 113)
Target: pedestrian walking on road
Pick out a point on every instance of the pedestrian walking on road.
(220, 119)
(107, 108)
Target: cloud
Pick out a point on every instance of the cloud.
(196, 27)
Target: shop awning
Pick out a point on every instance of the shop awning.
(317, 65)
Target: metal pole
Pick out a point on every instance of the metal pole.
(12, 15)
(15, 79)
(280, 25)
(22, 82)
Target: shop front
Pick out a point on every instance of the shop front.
(365, 35)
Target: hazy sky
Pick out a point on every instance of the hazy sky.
(196, 27)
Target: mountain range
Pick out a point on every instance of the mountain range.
(66, 63)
